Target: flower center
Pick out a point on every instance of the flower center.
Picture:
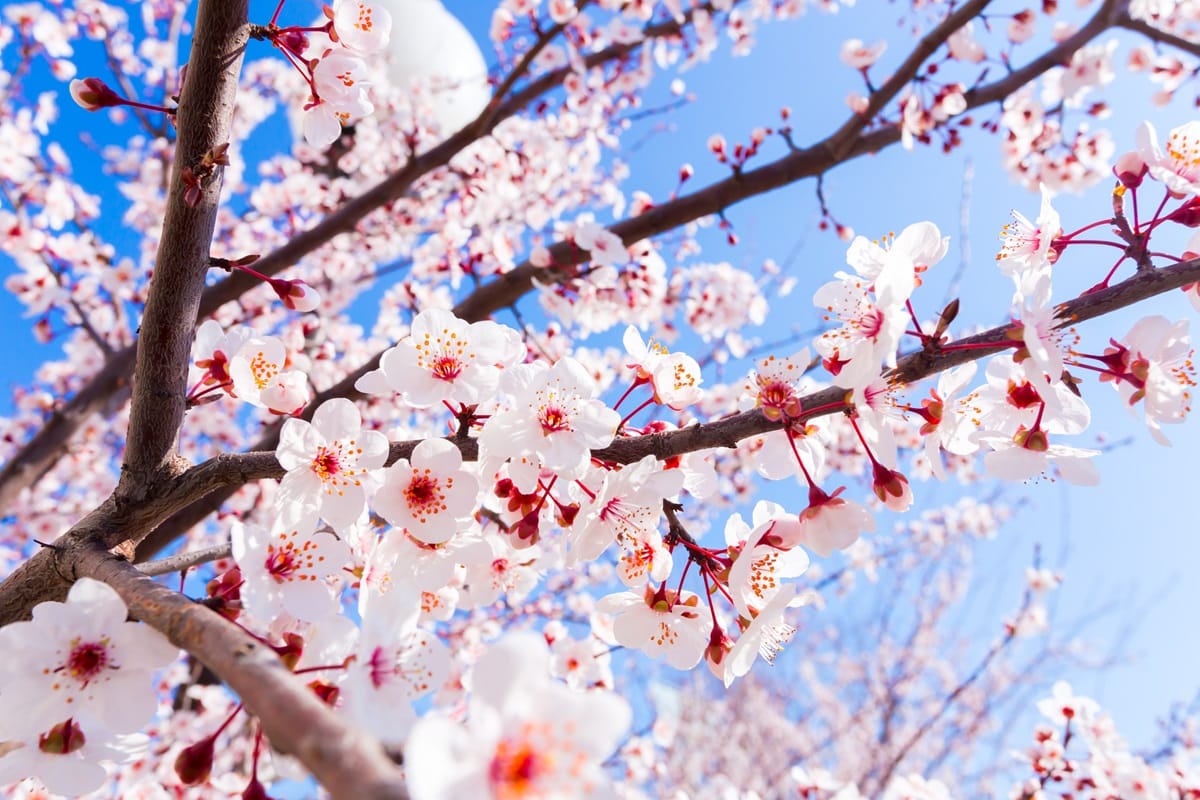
(262, 369)
(424, 496)
(446, 368)
(288, 562)
(516, 768)
(554, 419)
(87, 660)
(1023, 396)
(326, 463)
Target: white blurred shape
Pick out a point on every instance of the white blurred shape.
(431, 47)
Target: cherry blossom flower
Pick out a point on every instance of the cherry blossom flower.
(323, 120)
(66, 759)
(361, 25)
(963, 47)
(1028, 453)
(660, 623)
(1027, 245)
(868, 337)
(947, 418)
(1063, 705)
(829, 523)
(288, 570)
(774, 386)
(447, 360)
(330, 463)
(394, 664)
(675, 377)
(760, 567)
(80, 660)
(1155, 363)
(895, 266)
(858, 54)
(212, 351)
(605, 248)
(1179, 167)
(430, 495)
(627, 509)
(554, 415)
(260, 378)
(526, 735)
(764, 635)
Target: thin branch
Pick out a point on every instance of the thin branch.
(346, 761)
(1158, 35)
(185, 561)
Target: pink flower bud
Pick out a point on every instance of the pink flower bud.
(296, 295)
(194, 763)
(93, 94)
(1130, 169)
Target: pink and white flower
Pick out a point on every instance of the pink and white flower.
(1179, 167)
(526, 735)
(361, 25)
(79, 660)
(289, 570)
(261, 378)
(660, 623)
(447, 360)
(828, 523)
(761, 567)
(554, 414)
(331, 466)
(395, 663)
(429, 495)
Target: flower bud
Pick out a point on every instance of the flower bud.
(296, 295)
(194, 763)
(1130, 169)
(93, 94)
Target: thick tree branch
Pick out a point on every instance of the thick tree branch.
(347, 762)
(164, 345)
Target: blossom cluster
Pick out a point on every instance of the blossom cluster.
(384, 563)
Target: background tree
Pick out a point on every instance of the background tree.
(219, 393)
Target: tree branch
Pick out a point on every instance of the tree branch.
(164, 346)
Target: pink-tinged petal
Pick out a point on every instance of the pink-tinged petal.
(375, 449)
(298, 443)
(310, 601)
(438, 455)
(337, 419)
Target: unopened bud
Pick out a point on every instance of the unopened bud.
(1130, 169)
(93, 94)
(194, 763)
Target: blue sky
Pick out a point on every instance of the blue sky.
(1126, 546)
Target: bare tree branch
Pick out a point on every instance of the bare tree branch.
(185, 561)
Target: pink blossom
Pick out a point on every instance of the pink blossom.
(430, 495)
